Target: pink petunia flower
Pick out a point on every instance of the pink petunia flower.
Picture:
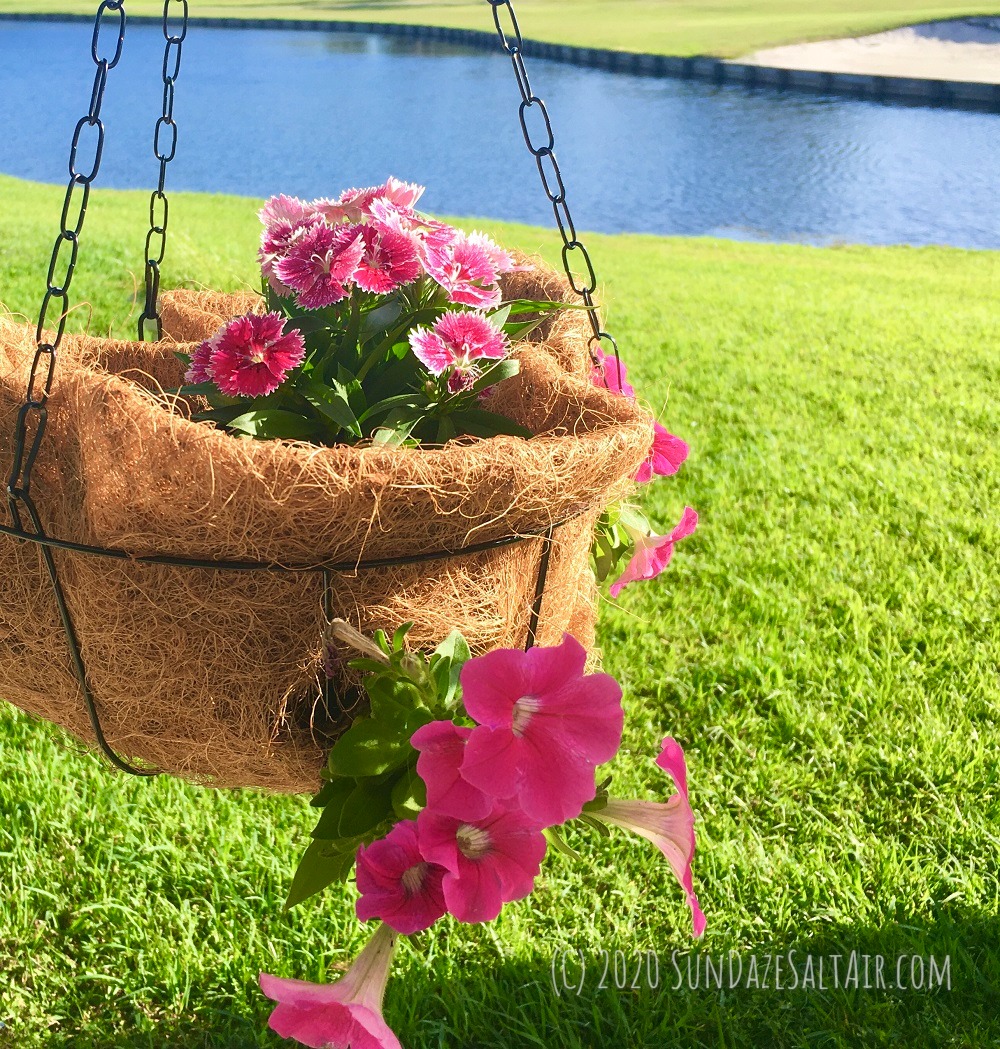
(320, 263)
(249, 357)
(397, 884)
(388, 259)
(653, 552)
(667, 452)
(343, 1015)
(465, 270)
(456, 341)
(442, 748)
(665, 457)
(668, 825)
(608, 371)
(544, 726)
(490, 861)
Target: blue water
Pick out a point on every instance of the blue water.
(309, 113)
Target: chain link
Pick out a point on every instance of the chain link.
(62, 263)
(29, 426)
(541, 145)
(164, 148)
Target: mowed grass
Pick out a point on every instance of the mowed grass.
(674, 27)
(826, 648)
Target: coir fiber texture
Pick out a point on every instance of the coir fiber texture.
(217, 675)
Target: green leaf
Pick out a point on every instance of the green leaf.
(447, 661)
(373, 746)
(366, 749)
(330, 791)
(556, 840)
(370, 666)
(271, 423)
(399, 636)
(633, 517)
(348, 382)
(498, 318)
(409, 795)
(334, 794)
(198, 389)
(321, 865)
(308, 323)
(333, 401)
(445, 430)
(396, 429)
(379, 320)
(504, 369)
(455, 648)
(381, 407)
(394, 696)
(481, 423)
(601, 828)
(519, 306)
(362, 805)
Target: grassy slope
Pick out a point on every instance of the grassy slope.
(826, 647)
(676, 27)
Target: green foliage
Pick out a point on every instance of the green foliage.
(371, 779)
(825, 648)
(614, 539)
(359, 380)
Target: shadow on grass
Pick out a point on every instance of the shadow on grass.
(700, 1001)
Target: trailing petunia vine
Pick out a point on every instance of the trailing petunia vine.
(443, 800)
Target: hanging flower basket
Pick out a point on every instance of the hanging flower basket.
(217, 675)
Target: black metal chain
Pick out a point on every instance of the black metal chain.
(61, 268)
(533, 108)
(34, 411)
(164, 148)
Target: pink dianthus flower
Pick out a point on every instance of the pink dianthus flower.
(320, 263)
(355, 205)
(423, 230)
(388, 259)
(457, 340)
(249, 357)
(200, 360)
(285, 220)
(503, 261)
(465, 269)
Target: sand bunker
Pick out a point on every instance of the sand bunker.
(959, 49)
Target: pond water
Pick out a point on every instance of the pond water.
(309, 113)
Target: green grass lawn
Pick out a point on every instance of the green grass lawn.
(826, 648)
(674, 27)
